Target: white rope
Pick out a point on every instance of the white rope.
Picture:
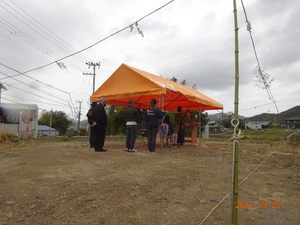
(238, 185)
(214, 208)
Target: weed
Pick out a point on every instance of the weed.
(6, 137)
(65, 138)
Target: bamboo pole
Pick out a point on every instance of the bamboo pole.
(235, 123)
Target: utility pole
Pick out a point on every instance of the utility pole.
(79, 114)
(94, 65)
(1, 87)
(50, 123)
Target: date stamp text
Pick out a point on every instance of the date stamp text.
(258, 204)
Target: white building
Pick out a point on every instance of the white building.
(254, 125)
(45, 131)
(19, 119)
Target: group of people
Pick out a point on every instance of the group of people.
(177, 132)
(97, 120)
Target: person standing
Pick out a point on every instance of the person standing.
(131, 117)
(90, 121)
(153, 114)
(99, 124)
(179, 126)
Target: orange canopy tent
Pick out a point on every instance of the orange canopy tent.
(130, 83)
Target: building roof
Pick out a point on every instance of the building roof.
(45, 128)
(293, 118)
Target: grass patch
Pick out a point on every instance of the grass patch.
(268, 135)
(65, 138)
(6, 137)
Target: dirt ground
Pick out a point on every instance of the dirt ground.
(56, 182)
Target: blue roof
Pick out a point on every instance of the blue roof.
(44, 127)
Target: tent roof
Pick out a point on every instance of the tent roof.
(131, 83)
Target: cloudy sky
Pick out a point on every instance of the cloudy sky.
(191, 40)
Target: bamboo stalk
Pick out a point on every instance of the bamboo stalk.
(236, 117)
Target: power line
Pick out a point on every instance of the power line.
(96, 43)
(71, 106)
(33, 28)
(37, 89)
(29, 92)
(51, 103)
(24, 37)
(20, 34)
(33, 79)
(45, 33)
(57, 38)
(254, 107)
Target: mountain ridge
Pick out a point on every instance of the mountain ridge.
(293, 112)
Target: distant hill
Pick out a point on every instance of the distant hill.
(219, 116)
(290, 113)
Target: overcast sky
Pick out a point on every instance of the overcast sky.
(191, 40)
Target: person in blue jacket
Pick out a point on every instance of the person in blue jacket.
(153, 114)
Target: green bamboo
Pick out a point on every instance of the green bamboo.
(235, 123)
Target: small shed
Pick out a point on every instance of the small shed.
(46, 131)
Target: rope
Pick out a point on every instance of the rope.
(238, 185)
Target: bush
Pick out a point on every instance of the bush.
(64, 138)
(294, 140)
(6, 137)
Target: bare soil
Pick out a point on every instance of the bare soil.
(56, 182)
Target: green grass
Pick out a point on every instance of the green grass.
(268, 135)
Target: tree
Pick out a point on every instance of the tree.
(226, 121)
(115, 120)
(58, 120)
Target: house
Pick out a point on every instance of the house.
(19, 119)
(45, 131)
(254, 125)
(214, 127)
(292, 123)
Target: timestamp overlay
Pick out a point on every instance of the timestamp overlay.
(257, 204)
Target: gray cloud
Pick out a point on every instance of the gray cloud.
(193, 41)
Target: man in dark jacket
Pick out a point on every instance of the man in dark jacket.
(153, 114)
(90, 121)
(99, 124)
(131, 118)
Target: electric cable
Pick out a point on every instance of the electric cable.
(96, 43)
(57, 38)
